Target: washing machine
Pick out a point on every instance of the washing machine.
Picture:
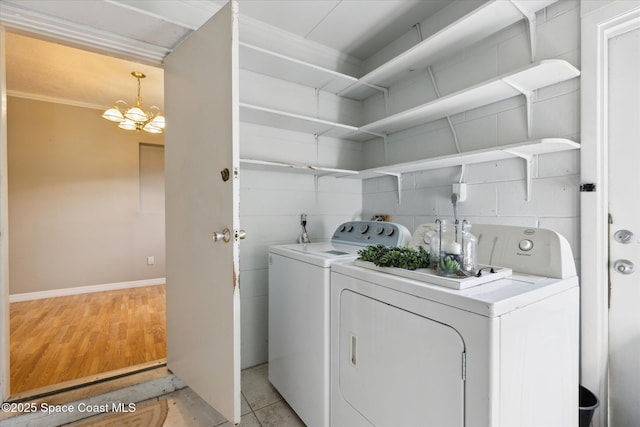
(299, 289)
(416, 349)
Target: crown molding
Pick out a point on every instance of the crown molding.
(28, 22)
(36, 97)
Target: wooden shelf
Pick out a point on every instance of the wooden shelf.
(476, 25)
(519, 150)
(295, 122)
(523, 81)
(280, 66)
(524, 150)
(289, 167)
(520, 82)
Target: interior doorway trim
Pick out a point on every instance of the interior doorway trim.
(4, 229)
(600, 22)
(32, 24)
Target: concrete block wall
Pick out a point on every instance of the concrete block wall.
(496, 190)
(271, 202)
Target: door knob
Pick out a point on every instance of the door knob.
(624, 266)
(240, 234)
(224, 235)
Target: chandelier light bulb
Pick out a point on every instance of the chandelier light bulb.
(149, 127)
(127, 124)
(136, 114)
(158, 121)
(136, 118)
(113, 114)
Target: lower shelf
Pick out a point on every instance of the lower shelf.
(519, 150)
(306, 169)
(524, 150)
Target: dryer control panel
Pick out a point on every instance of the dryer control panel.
(371, 233)
(527, 250)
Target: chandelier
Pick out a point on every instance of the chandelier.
(135, 118)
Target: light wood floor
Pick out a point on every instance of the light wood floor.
(60, 339)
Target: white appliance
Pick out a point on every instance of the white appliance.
(299, 288)
(407, 352)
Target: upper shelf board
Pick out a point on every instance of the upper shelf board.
(530, 78)
(280, 66)
(533, 77)
(476, 25)
(290, 167)
(523, 149)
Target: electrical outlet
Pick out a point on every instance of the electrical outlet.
(461, 190)
(151, 260)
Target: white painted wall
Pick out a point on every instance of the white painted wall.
(74, 200)
(496, 190)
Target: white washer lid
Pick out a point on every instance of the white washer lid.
(322, 254)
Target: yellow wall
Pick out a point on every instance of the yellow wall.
(74, 202)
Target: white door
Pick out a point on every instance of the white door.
(202, 191)
(624, 239)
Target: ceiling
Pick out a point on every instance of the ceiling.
(79, 71)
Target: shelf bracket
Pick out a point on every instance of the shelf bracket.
(529, 160)
(376, 87)
(385, 97)
(398, 184)
(316, 137)
(385, 147)
(437, 91)
(531, 27)
(379, 135)
(528, 96)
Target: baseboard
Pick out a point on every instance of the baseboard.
(28, 296)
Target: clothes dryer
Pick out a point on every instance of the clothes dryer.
(299, 289)
(406, 351)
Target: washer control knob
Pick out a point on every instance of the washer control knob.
(349, 228)
(390, 231)
(363, 228)
(342, 228)
(379, 230)
(525, 245)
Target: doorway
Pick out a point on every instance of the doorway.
(82, 219)
(609, 288)
(624, 210)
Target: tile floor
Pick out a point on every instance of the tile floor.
(262, 405)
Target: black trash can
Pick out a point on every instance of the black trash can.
(588, 404)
